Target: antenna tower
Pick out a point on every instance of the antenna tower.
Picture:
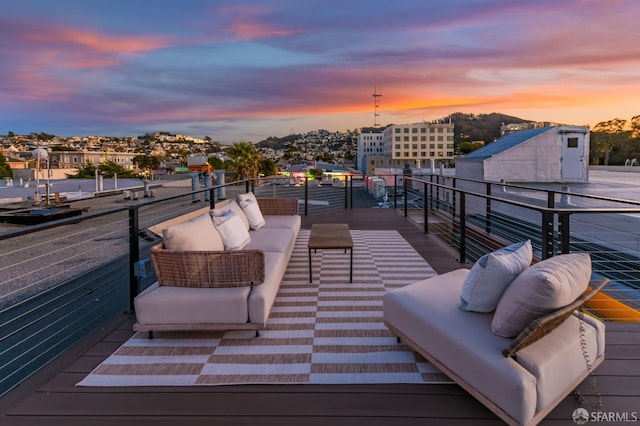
(376, 105)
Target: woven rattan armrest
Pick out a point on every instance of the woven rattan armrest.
(544, 325)
(237, 268)
(278, 206)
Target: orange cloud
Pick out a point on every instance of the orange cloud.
(252, 31)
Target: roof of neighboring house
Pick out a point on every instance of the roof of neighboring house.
(328, 167)
(502, 144)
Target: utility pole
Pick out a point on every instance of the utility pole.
(376, 104)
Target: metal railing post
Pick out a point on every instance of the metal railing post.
(563, 233)
(487, 219)
(404, 188)
(346, 192)
(431, 192)
(453, 198)
(395, 191)
(134, 253)
(212, 197)
(351, 189)
(425, 209)
(463, 229)
(246, 186)
(551, 199)
(547, 234)
(306, 195)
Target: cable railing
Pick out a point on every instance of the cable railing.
(477, 217)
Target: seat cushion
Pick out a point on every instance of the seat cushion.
(540, 289)
(262, 297)
(278, 240)
(292, 222)
(427, 313)
(189, 305)
(557, 360)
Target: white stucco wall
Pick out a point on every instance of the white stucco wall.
(535, 160)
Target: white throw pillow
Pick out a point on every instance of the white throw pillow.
(246, 196)
(491, 275)
(235, 235)
(540, 289)
(253, 213)
(198, 233)
(235, 207)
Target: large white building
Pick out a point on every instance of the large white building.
(417, 144)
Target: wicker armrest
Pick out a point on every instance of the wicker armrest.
(278, 206)
(544, 325)
(204, 269)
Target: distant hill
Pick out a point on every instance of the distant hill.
(481, 127)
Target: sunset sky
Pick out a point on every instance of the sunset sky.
(245, 70)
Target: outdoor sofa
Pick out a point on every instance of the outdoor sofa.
(524, 345)
(220, 270)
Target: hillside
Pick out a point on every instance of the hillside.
(481, 127)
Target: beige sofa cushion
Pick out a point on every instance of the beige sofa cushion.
(557, 359)
(262, 297)
(291, 222)
(540, 289)
(198, 233)
(190, 305)
(272, 239)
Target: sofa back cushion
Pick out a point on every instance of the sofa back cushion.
(491, 274)
(540, 289)
(198, 233)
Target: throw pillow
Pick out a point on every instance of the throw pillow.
(252, 211)
(491, 274)
(540, 289)
(246, 196)
(235, 207)
(198, 233)
(233, 232)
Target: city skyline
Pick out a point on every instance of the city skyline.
(245, 70)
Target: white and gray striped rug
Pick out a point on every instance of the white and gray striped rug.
(328, 332)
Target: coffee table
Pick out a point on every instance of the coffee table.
(330, 236)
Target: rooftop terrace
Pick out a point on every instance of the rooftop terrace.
(50, 396)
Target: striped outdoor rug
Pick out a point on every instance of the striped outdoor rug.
(329, 332)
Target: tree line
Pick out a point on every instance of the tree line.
(615, 141)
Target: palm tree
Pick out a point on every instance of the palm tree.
(246, 159)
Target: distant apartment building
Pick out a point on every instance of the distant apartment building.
(418, 144)
(369, 145)
(75, 159)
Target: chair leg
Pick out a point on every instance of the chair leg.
(150, 334)
(398, 339)
(257, 333)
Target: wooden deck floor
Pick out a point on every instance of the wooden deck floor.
(50, 397)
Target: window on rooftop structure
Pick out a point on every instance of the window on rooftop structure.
(572, 142)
